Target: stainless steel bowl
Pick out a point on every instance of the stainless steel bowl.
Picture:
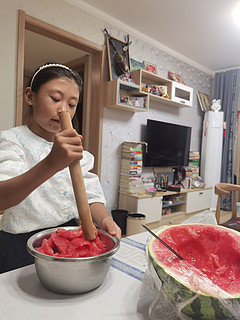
(72, 275)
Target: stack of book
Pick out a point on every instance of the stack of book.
(193, 165)
(131, 167)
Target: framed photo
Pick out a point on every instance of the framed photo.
(135, 65)
(176, 77)
(204, 101)
(115, 45)
(150, 67)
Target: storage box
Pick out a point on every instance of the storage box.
(182, 93)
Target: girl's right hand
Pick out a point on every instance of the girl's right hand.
(67, 147)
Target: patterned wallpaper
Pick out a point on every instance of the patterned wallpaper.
(119, 126)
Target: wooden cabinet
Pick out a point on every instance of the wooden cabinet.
(179, 95)
(192, 201)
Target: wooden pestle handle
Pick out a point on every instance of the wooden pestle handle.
(79, 187)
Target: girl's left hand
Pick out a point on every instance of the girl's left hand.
(111, 227)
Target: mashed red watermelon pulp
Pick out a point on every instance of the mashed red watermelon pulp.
(71, 244)
(210, 252)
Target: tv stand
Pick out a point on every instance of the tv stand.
(192, 201)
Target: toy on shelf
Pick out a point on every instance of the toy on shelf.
(127, 78)
(134, 101)
(144, 89)
(124, 99)
(157, 90)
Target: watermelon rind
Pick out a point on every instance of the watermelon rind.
(195, 304)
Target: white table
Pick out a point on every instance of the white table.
(23, 297)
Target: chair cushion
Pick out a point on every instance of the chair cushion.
(233, 223)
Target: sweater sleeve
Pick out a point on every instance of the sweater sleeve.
(12, 157)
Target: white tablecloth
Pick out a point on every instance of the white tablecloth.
(23, 297)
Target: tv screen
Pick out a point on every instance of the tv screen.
(167, 144)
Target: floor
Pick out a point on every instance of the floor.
(224, 216)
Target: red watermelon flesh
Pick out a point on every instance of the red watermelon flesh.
(46, 247)
(212, 258)
(71, 244)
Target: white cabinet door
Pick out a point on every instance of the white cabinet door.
(182, 94)
(198, 200)
(151, 208)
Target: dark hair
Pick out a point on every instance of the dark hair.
(54, 71)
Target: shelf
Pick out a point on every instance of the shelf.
(146, 77)
(180, 96)
(167, 205)
(169, 102)
(117, 89)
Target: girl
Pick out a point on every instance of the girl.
(35, 186)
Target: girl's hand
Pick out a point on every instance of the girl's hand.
(111, 227)
(103, 220)
(67, 147)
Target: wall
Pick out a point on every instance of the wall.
(122, 126)
(118, 126)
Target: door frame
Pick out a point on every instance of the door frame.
(83, 64)
(97, 52)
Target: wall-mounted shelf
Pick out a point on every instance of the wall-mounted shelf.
(125, 96)
(178, 95)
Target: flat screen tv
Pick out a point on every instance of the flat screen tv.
(168, 144)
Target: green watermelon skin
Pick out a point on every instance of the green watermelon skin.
(195, 305)
(207, 308)
(201, 308)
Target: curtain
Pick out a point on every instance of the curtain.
(237, 157)
(226, 89)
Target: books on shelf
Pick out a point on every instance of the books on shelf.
(194, 158)
(131, 166)
(193, 164)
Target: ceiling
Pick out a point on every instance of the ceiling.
(203, 32)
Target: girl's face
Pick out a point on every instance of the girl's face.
(60, 94)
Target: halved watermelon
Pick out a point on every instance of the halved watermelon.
(206, 285)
